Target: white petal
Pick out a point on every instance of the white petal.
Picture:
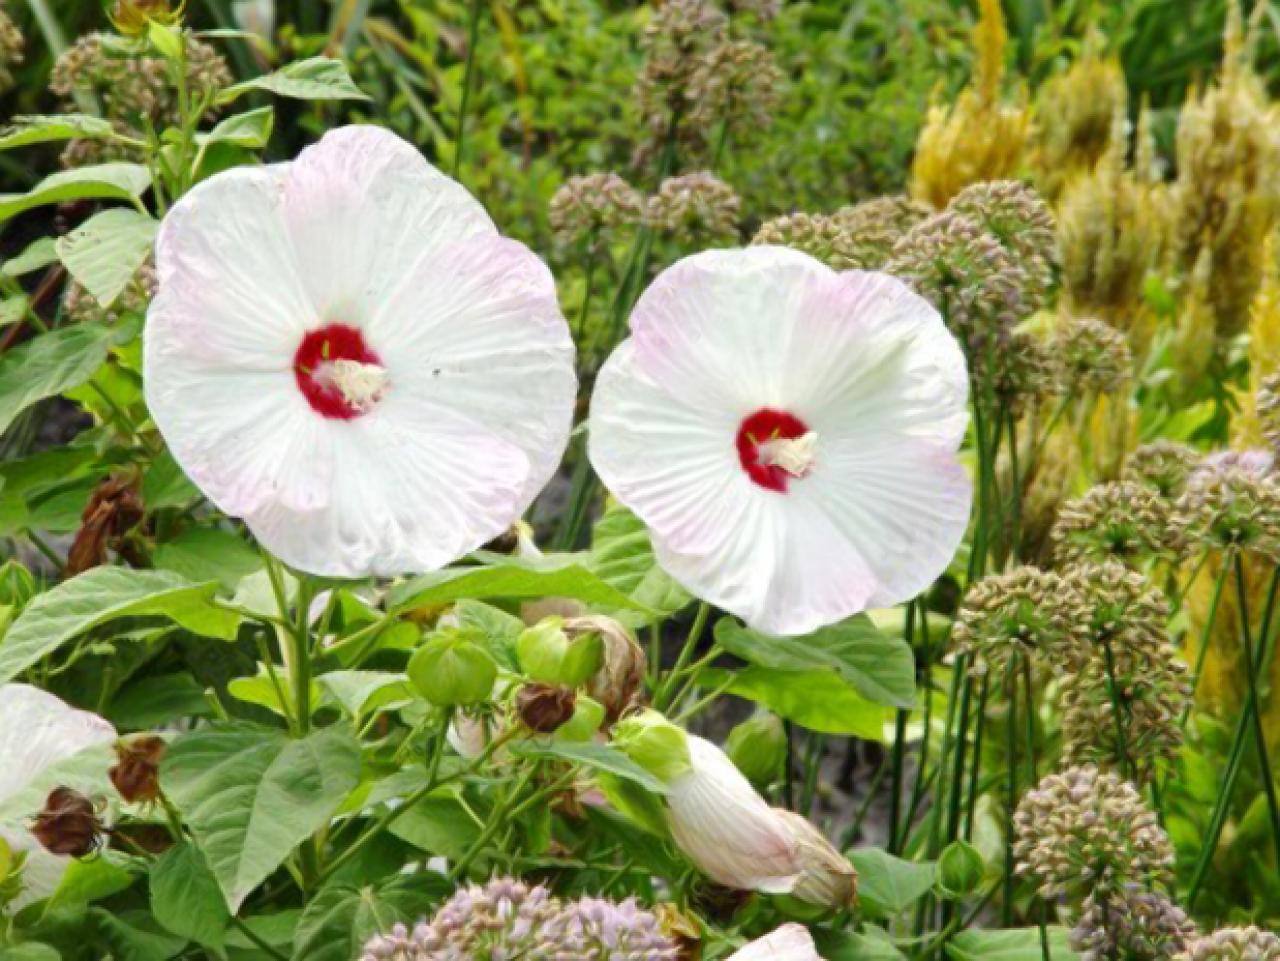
(791, 942)
(362, 207)
(866, 365)
(726, 828)
(37, 731)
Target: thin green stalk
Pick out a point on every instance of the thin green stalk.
(473, 36)
(686, 654)
(1029, 728)
(981, 719)
(899, 747)
(1259, 734)
(812, 767)
(1206, 634)
(1011, 786)
(1117, 713)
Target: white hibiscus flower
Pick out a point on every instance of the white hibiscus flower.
(788, 434)
(37, 732)
(344, 352)
(791, 942)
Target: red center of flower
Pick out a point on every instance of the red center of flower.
(757, 437)
(327, 368)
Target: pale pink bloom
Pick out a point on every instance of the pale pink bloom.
(344, 352)
(791, 942)
(727, 829)
(37, 732)
(788, 434)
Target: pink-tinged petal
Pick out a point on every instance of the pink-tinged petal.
(362, 207)
(37, 732)
(791, 942)
(865, 390)
(728, 830)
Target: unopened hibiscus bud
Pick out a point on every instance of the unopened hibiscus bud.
(618, 684)
(728, 830)
(136, 774)
(791, 942)
(132, 17)
(548, 654)
(588, 718)
(451, 670)
(657, 745)
(544, 707)
(758, 746)
(960, 869)
(68, 824)
(114, 508)
(826, 878)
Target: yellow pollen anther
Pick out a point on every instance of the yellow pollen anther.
(795, 455)
(361, 385)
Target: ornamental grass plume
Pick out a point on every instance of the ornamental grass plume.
(1194, 346)
(1232, 944)
(1227, 193)
(1133, 923)
(134, 87)
(981, 136)
(1119, 520)
(11, 48)
(697, 207)
(507, 918)
(1247, 426)
(1020, 616)
(584, 207)
(1121, 708)
(1162, 465)
(1267, 410)
(1074, 125)
(1085, 830)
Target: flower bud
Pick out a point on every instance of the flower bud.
(68, 824)
(543, 707)
(136, 775)
(588, 716)
(548, 654)
(619, 682)
(791, 942)
(653, 742)
(451, 670)
(728, 830)
(758, 746)
(132, 17)
(827, 879)
(960, 869)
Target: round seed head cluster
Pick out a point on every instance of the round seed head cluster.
(1020, 219)
(586, 205)
(1232, 944)
(1092, 356)
(133, 87)
(674, 43)
(1267, 405)
(858, 237)
(969, 276)
(1086, 829)
(734, 83)
(1134, 923)
(11, 46)
(695, 207)
(1018, 615)
(1121, 520)
(509, 919)
(1162, 465)
(817, 235)
(1023, 371)
(79, 306)
(1232, 507)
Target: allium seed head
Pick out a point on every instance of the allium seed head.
(1133, 923)
(1162, 465)
(1120, 520)
(695, 207)
(1021, 614)
(585, 205)
(1234, 506)
(1092, 356)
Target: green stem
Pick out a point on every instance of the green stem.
(1252, 663)
(1113, 691)
(473, 36)
(899, 747)
(1011, 786)
(686, 654)
(1206, 634)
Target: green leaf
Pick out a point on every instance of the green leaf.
(49, 364)
(37, 254)
(888, 885)
(880, 668)
(341, 918)
(511, 580)
(251, 795)
(35, 128)
(319, 78)
(601, 757)
(873, 944)
(104, 594)
(817, 700)
(185, 897)
(92, 879)
(157, 699)
(208, 554)
(1012, 944)
(104, 252)
(13, 309)
(133, 936)
(361, 691)
(251, 129)
(31, 951)
(438, 824)
(165, 485)
(110, 181)
(622, 555)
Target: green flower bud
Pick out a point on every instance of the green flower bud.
(17, 586)
(758, 747)
(588, 715)
(451, 670)
(653, 742)
(548, 655)
(960, 869)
